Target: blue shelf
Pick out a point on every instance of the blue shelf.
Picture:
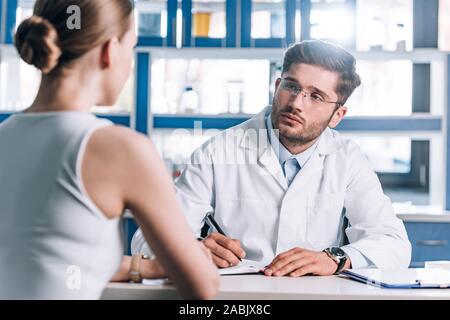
(123, 120)
(150, 42)
(162, 121)
(271, 43)
(400, 124)
(143, 77)
(11, 6)
(208, 42)
(188, 121)
(119, 119)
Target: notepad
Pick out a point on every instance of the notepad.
(401, 279)
(245, 267)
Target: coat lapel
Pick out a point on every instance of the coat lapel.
(314, 166)
(255, 138)
(269, 161)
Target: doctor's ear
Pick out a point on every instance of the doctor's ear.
(338, 115)
(277, 84)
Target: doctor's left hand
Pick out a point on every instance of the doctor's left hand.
(298, 262)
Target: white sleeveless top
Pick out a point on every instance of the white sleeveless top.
(54, 242)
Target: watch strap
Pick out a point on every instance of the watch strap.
(341, 264)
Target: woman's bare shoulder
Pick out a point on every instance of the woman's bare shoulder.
(119, 138)
(117, 135)
(120, 145)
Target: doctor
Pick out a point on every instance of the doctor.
(282, 182)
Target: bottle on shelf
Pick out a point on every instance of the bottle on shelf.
(400, 37)
(202, 21)
(377, 34)
(189, 101)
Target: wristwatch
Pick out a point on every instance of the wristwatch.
(135, 271)
(338, 255)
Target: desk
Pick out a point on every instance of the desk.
(259, 287)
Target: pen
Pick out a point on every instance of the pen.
(213, 223)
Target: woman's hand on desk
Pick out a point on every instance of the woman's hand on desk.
(152, 269)
(148, 268)
(298, 262)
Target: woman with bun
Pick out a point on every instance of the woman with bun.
(66, 177)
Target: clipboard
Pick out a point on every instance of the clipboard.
(416, 278)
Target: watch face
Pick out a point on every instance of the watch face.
(337, 252)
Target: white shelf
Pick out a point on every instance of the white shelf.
(276, 54)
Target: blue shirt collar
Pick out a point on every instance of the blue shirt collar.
(282, 153)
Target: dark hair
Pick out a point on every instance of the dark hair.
(45, 40)
(329, 56)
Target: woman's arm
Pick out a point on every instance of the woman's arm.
(149, 269)
(122, 169)
(123, 274)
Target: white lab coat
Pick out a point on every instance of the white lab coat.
(253, 203)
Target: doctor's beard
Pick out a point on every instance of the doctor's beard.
(300, 134)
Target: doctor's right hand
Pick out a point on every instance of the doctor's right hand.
(225, 251)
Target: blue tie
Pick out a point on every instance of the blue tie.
(291, 167)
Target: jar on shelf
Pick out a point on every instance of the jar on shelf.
(400, 37)
(377, 34)
(189, 101)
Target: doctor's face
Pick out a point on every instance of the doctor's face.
(305, 103)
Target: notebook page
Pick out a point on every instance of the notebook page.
(245, 267)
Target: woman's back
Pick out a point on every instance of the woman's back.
(54, 242)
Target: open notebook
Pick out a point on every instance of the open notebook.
(245, 267)
(401, 279)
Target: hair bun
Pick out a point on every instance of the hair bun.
(36, 41)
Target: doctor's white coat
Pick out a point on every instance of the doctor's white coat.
(237, 175)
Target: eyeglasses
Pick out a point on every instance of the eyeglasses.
(312, 99)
